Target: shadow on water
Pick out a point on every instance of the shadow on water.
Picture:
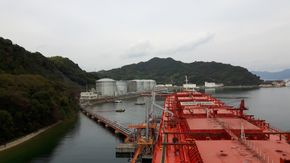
(52, 150)
(41, 145)
(88, 142)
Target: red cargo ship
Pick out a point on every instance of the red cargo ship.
(197, 128)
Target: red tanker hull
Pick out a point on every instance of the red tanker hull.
(200, 128)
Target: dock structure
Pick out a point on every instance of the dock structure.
(106, 99)
(118, 127)
(125, 150)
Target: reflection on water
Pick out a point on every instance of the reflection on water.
(89, 142)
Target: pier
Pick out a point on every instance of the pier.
(111, 99)
(118, 127)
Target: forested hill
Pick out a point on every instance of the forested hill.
(15, 59)
(36, 91)
(168, 70)
(72, 71)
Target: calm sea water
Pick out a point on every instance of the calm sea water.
(271, 104)
(90, 142)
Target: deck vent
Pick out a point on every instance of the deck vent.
(223, 154)
(278, 151)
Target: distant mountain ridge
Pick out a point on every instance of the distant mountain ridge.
(168, 70)
(280, 75)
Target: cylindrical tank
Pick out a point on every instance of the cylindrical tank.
(106, 87)
(152, 83)
(146, 85)
(140, 85)
(132, 86)
(121, 87)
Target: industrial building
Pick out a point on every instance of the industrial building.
(212, 85)
(189, 86)
(88, 96)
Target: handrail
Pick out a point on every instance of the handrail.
(250, 145)
(113, 124)
(257, 150)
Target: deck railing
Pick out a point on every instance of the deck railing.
(113, 124)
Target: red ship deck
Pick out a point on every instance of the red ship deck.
(200, 128)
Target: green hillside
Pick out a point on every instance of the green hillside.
(36, 91)
(167, 70)
(14, 59)
(30, 102)
(72, 71)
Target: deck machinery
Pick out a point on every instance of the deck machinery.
(197, 128)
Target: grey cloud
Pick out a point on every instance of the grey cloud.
(145, 49)
(191, 45)
(89, 31)
(139, 50)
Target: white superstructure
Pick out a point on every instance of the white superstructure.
(189, 86)
(212, 85)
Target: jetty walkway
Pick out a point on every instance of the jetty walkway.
(118, 127)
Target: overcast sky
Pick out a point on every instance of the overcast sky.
(105, 34)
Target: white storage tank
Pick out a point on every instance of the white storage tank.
(106, 87)
(146, 85)
(132, 86)
(121, 87)
(139, 85)
(152, 84)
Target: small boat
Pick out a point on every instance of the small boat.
(120, 110)
(85, 104)
(117, 101)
